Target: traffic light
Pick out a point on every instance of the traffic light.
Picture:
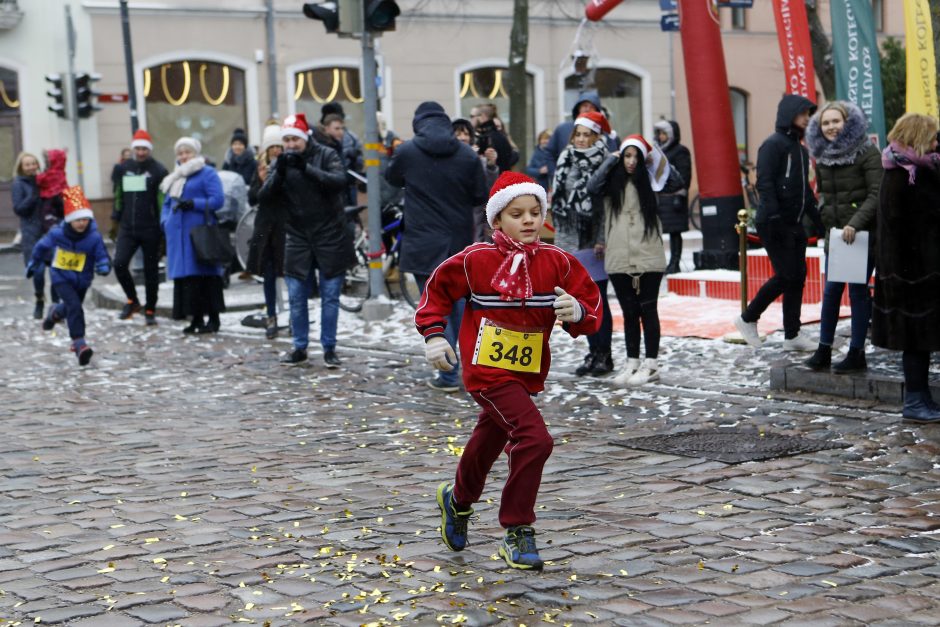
(326, 12)
(57, 105)
(380, 15)
(85, 95)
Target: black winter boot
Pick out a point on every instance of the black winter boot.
(821, 359)
(675, 253)
(603, 364)
(586, 365)
(854, 362)
(40, 307)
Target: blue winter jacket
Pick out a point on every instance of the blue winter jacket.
(540, 157)
(26, 206)
(63, 246)
(204, 188)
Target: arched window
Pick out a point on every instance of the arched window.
(739, 112)
(10, 143)
(196, 98)
(621, 93)
(491, 84)
(314, 88)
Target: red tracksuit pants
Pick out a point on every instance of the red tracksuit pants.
(509, 420)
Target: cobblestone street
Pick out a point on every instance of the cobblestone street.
(197, 481)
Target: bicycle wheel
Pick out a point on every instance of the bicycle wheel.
(356, 288)
(409, 288)
(695, 213)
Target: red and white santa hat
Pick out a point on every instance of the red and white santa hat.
(142, 139)
(508, 186)
(595, 121)
(76, 205)
(638, 142)
(295, 126)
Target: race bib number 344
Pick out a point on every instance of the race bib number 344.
(520, 351)
(67, 260)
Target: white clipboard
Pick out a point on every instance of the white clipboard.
(848, 263)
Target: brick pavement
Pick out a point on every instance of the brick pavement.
(195, 481)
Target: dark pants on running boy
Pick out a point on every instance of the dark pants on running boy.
(786, 247)
(600, 342)
(639, 299)
(509, 420)
(70, 308)
(127, 245)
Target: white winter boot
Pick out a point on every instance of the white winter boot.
(648, 371)
(633, 364)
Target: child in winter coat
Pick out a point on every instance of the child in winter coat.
(516, 288)
(72, 250)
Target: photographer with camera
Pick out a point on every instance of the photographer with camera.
(489, 136)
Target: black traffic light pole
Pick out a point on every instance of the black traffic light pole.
(129, 66)
(73, 94)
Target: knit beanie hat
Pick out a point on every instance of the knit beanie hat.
(295, 126)
(594, 121)
(270, 137)
(239, 135)
(331, 108)
(639, 143)
(426, 110)
(508, 186)
(76, 205)
(142, 139)
(191, 142)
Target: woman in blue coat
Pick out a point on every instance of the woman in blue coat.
(26, 206)
(193, 193)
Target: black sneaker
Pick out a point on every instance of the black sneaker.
(84, 355)
(331, 360)
(39, 308)
(150, 316)
(453, 523)
(586, 365)
(50, 320)
(298, 355)
(603, 365)
(130, 308)
(519, 550)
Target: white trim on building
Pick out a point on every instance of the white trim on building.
(27, 107)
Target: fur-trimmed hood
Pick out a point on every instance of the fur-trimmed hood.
(847, 145)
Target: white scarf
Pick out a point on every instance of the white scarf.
(173, 184)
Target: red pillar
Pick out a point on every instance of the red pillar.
(716, 154)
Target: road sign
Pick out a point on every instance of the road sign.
(669, 22)
(668, 5)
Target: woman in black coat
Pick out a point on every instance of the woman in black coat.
(674, 207)
(906, 312)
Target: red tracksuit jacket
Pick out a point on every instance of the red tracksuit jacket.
(468, 274)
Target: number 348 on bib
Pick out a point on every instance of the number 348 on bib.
(520, 351)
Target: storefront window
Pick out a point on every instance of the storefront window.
(10, 143)
(201, 99)
(491, 85)
(314, 88)
(621, 94)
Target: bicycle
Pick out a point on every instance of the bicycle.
(356, 286)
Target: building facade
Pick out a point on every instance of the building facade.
(202, 68)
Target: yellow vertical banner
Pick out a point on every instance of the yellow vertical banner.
(921, 64)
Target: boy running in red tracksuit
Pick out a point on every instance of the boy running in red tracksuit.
(515, 288)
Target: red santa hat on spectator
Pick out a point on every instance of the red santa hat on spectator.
(656, 162)
(295, 126)
(142, 139)
(595, 121)
(508, 186)
(76, 205)
(638, 142)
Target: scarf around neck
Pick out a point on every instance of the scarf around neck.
(897, 156)
(512, 279)
(173, 184)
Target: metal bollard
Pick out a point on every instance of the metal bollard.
(741, 228)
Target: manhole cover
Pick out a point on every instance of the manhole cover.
(729, 446)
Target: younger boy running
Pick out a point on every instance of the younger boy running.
(515, 288)
(72, 250)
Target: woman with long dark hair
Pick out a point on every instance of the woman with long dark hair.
(633, 254)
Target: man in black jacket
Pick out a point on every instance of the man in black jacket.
(138, 202)
(785, 198)
(309, 178)
(443, 183)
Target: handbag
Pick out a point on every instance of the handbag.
(210, 243)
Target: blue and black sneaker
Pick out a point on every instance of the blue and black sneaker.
(453, 523)
(519, 550)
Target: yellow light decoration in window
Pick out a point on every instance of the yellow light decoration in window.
(497, 85)
(146, 82)
(467, 80)
(205, 92)
(187, 84)
(13, 104)
(333, 92)
(299, 89)
(348, 93)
